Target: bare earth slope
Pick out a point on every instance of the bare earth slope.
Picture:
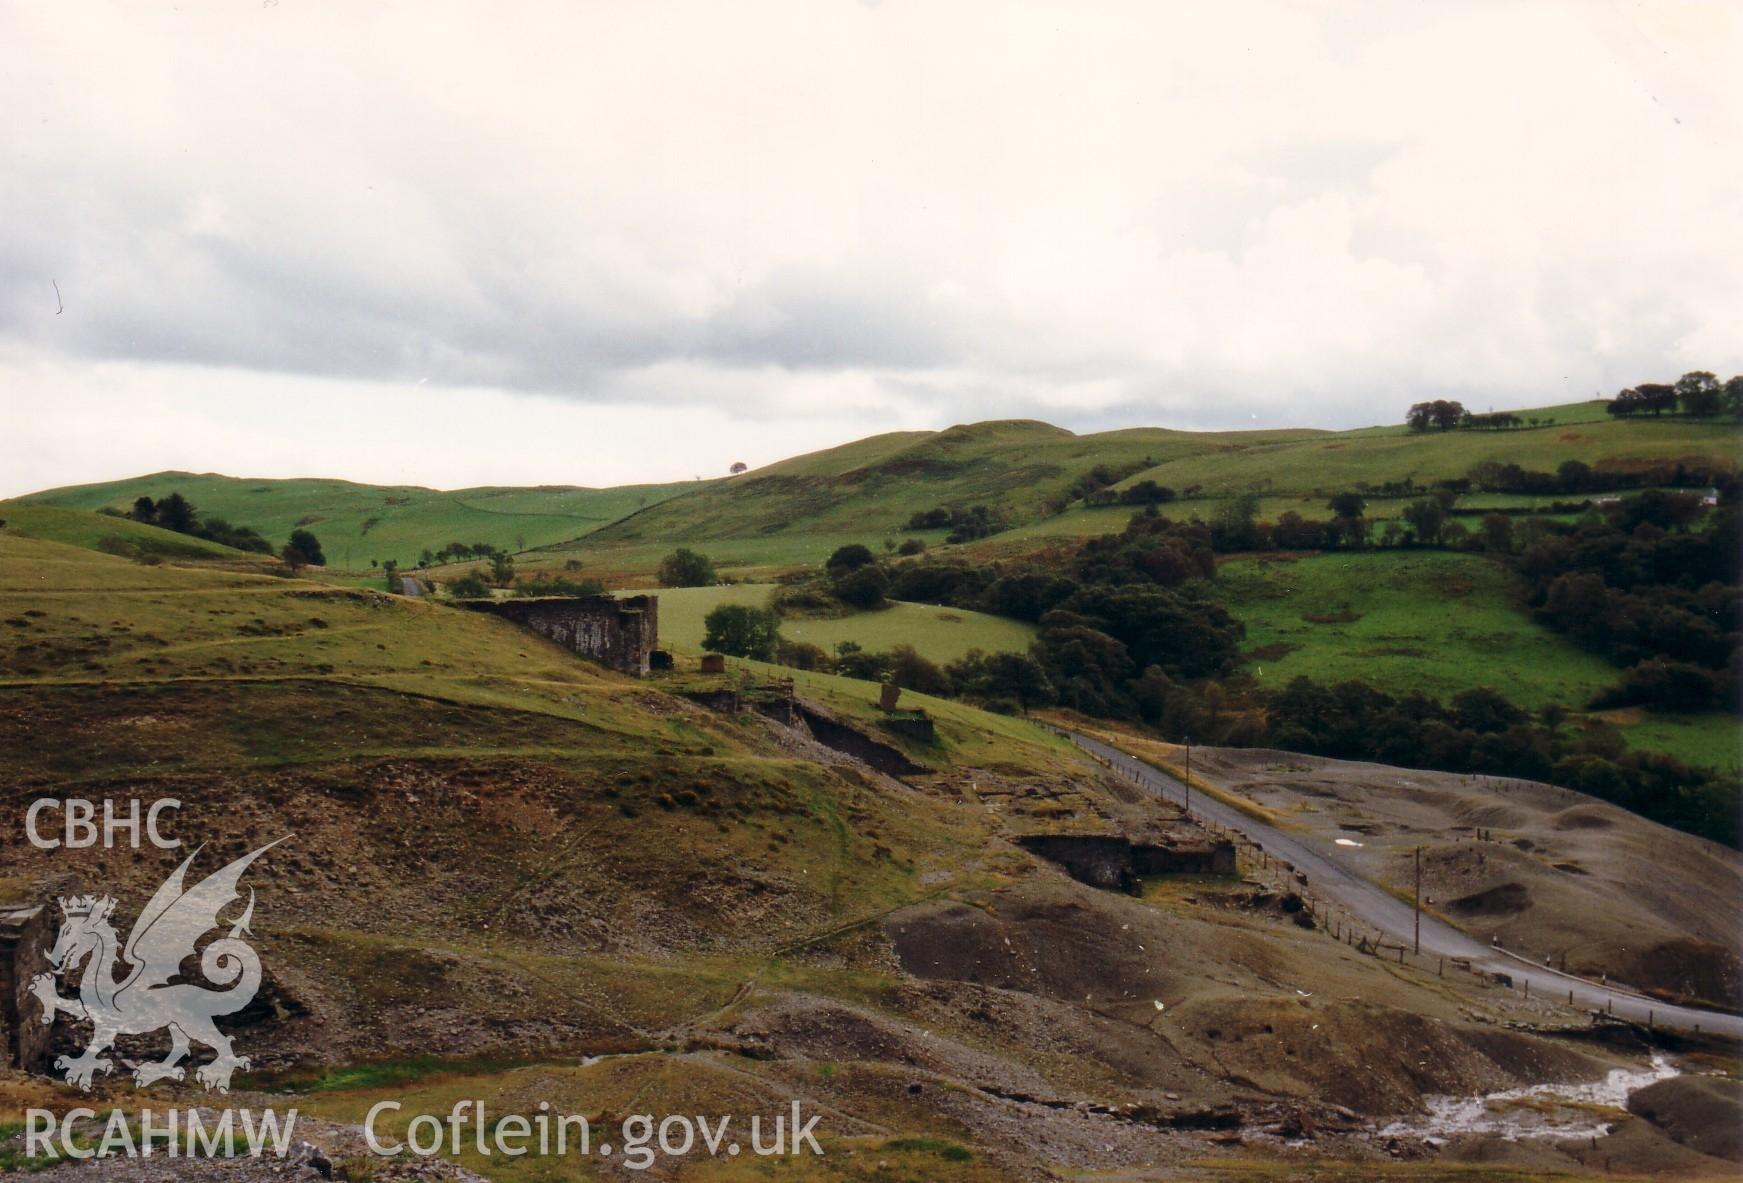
(1551, 873)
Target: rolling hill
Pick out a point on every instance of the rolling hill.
(359, 524)
(1328, 465)
(117, 536)
(797, 511)
(869, 489)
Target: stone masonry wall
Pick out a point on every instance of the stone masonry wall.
(25, 935)
(619, 633)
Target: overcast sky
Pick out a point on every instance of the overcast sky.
(595, 244)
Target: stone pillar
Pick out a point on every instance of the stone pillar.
(24, 940)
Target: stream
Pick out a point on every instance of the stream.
(1571, 1110)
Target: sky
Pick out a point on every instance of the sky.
(520, 243)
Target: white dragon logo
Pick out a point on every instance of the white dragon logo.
(146, 998)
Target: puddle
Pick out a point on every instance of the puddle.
(1584, 1110)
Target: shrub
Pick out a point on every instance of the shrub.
(742, 630)
(802, 655)
(303, 548)
(559, 586)
(686, 568)
(863, 588)
(849, 558)
(470, 586)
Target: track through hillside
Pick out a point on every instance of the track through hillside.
(1372, 903)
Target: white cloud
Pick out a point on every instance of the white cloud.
(788, 220)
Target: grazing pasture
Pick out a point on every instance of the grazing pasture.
(939, 634)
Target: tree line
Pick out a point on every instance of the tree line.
(1697, 395)
(1126, 629)
(175, 512)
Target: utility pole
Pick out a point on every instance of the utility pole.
(1418, 899)
(1189, 776)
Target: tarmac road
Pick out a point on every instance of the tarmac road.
(1329, 876)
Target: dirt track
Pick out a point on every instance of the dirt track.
(1334, 874)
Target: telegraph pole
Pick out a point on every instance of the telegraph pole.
(1189, 776)
(1418, 899)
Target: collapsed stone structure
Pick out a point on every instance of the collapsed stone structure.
(1115, 863)
(26, 932)
(619, 633)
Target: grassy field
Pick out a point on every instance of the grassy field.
(1436, 622)
(358, 524)
(98, 532)
(1089, 521)
(1713, 740)
(1432, 621)
(796, 512)
(623, 565)
(1326, 465)
(940, 634)
(866, 491)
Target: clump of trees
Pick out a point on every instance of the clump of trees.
(303, 549)
(1645, 588)
(742, 630)
(455, 552)
(1122, 605)
(470, 586)
(1439, 414)
(687, 568)
(1097, 483)
(176, 512)
(965, 525)
(1698, 394)
(1491, 421)
(543, 583)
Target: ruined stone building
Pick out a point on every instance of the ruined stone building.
(619, 633)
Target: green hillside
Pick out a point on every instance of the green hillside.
(797, 511)
(360, 523)
(1433, 621)
(117, 536)
(871, 488)
(1328, 464)
(940, 634)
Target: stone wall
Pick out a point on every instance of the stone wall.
(621, 633)
(25, 935)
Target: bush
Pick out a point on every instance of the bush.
(910, 671)
(303, 549)
(930, 519)
(802, 655)
(559, 586)
(863, 588)
(849, 558)
(686, 568)
(742, 630)
(805, 599)
(470, 586)
(912, 546)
